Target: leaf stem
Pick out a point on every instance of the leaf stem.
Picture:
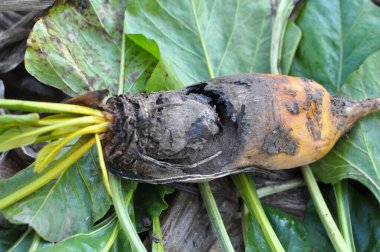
(215, 218)
(122, 63)
(157, 246)
(70, 157)
(123, 215)
(273, 189)
(35, 242)
(283, 12)
(48, 107)
(343, 207)
(102, 164)
(247, 190)
(42, 162)
(323, 211)
(112, 238)
(244, 222)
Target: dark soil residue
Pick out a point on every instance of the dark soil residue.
(280, 141)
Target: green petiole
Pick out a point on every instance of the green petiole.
(43, 159)
(247, 190)
(343, 207)
(157, 243)
(48, 107)
(123, 214)
(215, 218)
(102, 164)
(10, 142)
(323, 211)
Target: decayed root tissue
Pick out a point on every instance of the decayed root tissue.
(226, 125)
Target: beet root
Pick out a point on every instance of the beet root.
(224, 126)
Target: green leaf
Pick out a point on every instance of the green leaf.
(357, 155)
(149, 202)
(18, 119)
(79, 50)
(337, 36)
(96, 240)
(68, 205)
(294, 234)
(8, 136)
(236, 39)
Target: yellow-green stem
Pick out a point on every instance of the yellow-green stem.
(42, 162)
(272, 189)
(323, 211)
(123, 215)
(78, 121)
(157, 243)
(247, 190)
(343, 208)
(112, 238)
(102, 164)
(48, 107)
(215, 218)
(35, 243)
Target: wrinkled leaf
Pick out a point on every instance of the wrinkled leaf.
(236, 39)
(149, 202)
(70, 49)
(66, 206)
(294, 234)
(337, 36)
(357, 155)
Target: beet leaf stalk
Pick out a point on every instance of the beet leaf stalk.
(343, 207)
(323, 211)
(121, 206)
(215, 218)
(247, 190)
(157, 243)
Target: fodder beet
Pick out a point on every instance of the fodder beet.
(224, 126)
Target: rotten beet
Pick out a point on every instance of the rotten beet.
(224, 126)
